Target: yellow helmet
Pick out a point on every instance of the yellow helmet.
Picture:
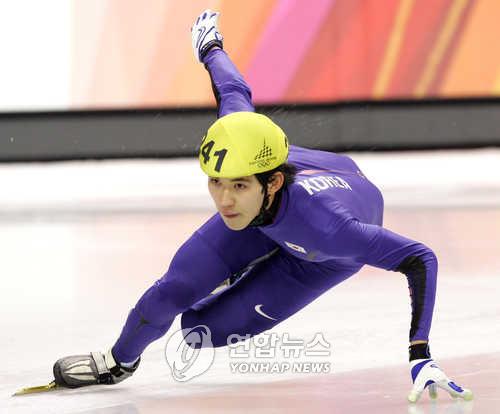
(242, 144)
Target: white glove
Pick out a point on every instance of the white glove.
(425, 373)
(205, 34)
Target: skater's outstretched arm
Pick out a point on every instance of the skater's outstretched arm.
(343, 236)
(231, 91)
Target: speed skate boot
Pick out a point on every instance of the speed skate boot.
(95, 368)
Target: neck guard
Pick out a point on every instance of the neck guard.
(266, 216)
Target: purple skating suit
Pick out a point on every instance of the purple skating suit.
(328, 225)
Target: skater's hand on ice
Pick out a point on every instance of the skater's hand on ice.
(426, 374)
(205, 34)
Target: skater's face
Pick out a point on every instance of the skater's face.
(238, 200)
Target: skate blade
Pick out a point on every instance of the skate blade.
(41, 388)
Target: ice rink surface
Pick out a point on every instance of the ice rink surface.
(81, 241)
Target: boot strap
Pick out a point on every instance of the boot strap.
(103, 372)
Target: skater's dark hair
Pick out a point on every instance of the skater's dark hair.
(289, 171)
(266, 215)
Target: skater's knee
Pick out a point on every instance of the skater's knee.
(166, 299)
(179, 293)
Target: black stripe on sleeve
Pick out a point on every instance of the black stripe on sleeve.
(416, 273)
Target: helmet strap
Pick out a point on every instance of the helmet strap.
(266, 215)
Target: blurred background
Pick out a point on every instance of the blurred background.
(117, 78)
(102, 108)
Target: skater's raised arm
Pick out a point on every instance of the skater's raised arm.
(231, 91)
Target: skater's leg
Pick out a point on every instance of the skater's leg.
(270, 293)
(211, 255)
